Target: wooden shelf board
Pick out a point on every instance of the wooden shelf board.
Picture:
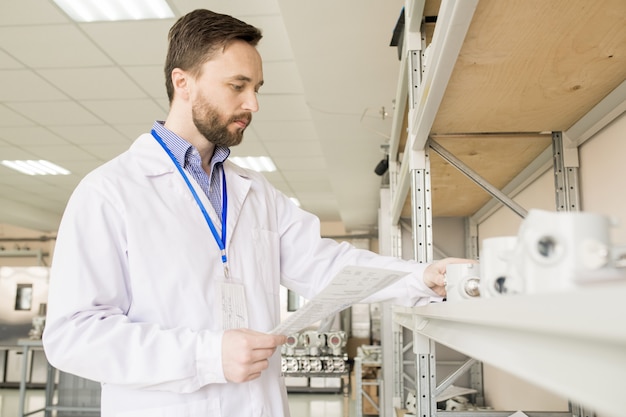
(498, 159)
(534, 65)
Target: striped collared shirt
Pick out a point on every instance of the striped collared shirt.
(189, 158)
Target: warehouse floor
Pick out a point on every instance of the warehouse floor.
(301, 405)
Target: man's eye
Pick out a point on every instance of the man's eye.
(237, 87)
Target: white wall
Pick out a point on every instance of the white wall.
(504, 222)
(602, 169)
(449, 236)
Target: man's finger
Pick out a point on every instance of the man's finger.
(261, 354)
(263, 340)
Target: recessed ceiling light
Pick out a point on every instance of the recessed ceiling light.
(40, 167)
(111, 10)
(255, 163)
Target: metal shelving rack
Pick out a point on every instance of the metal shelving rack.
(569, 343)
(51, 390)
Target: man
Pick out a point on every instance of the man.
(169, 258)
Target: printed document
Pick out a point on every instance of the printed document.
(351, 285)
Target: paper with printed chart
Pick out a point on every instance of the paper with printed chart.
(351, 285)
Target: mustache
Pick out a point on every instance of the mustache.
(247, 117)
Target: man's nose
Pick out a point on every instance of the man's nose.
(251, 102)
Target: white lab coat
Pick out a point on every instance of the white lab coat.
(132, 294)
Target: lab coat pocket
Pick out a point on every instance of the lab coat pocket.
(201, 408)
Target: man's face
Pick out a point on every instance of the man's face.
(224, 94)
(209, 122)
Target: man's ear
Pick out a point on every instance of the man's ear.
(180, 81)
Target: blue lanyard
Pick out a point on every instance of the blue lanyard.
(221, 241)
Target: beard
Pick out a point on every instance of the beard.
(208, 121)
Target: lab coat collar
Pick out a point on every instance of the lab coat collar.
(238, 182)
(150, 157)
(153, 161)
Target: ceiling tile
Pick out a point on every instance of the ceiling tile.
(30, 12)
(18, 180)
(319, 202)
(295, 176)
(326, 213)
(163, 104)
(312, 185)
(89, 134)
(126, 111)
(10, 118)
(293, 147)
(249, 147)
(51, 187)
(93, 83)
(15, 153)
(5, 190)
(324, 205)
(283, 130)
(133, 131)
(282, 107)
(299, 163)
(282, 186)
(281, 78)
(51, 46)
(132, 42)
(149, 77)
(7, 62)
(60, 153)
(250, 135)
(275, 176)
(12, 84)
(32, 135)
(56, 113)
(275, 44)
(237, 8)
(28, 217)
(106, 152)
(82, 167)
(40, 199)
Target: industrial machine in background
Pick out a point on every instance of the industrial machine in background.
(311, 351)
(315, 361)
(23, 305)
(23, 298)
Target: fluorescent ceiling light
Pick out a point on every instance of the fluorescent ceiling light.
(41, 167)
(255, 163)
(108, 10)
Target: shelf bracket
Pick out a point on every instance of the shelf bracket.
(426, 378)
(421, 207)
(474, 176)
(415, 76)
(565, 175)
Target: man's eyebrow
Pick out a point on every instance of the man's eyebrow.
(246, 79)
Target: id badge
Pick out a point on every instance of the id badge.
(232, 298)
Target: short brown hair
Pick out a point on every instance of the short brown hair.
(196, 36)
